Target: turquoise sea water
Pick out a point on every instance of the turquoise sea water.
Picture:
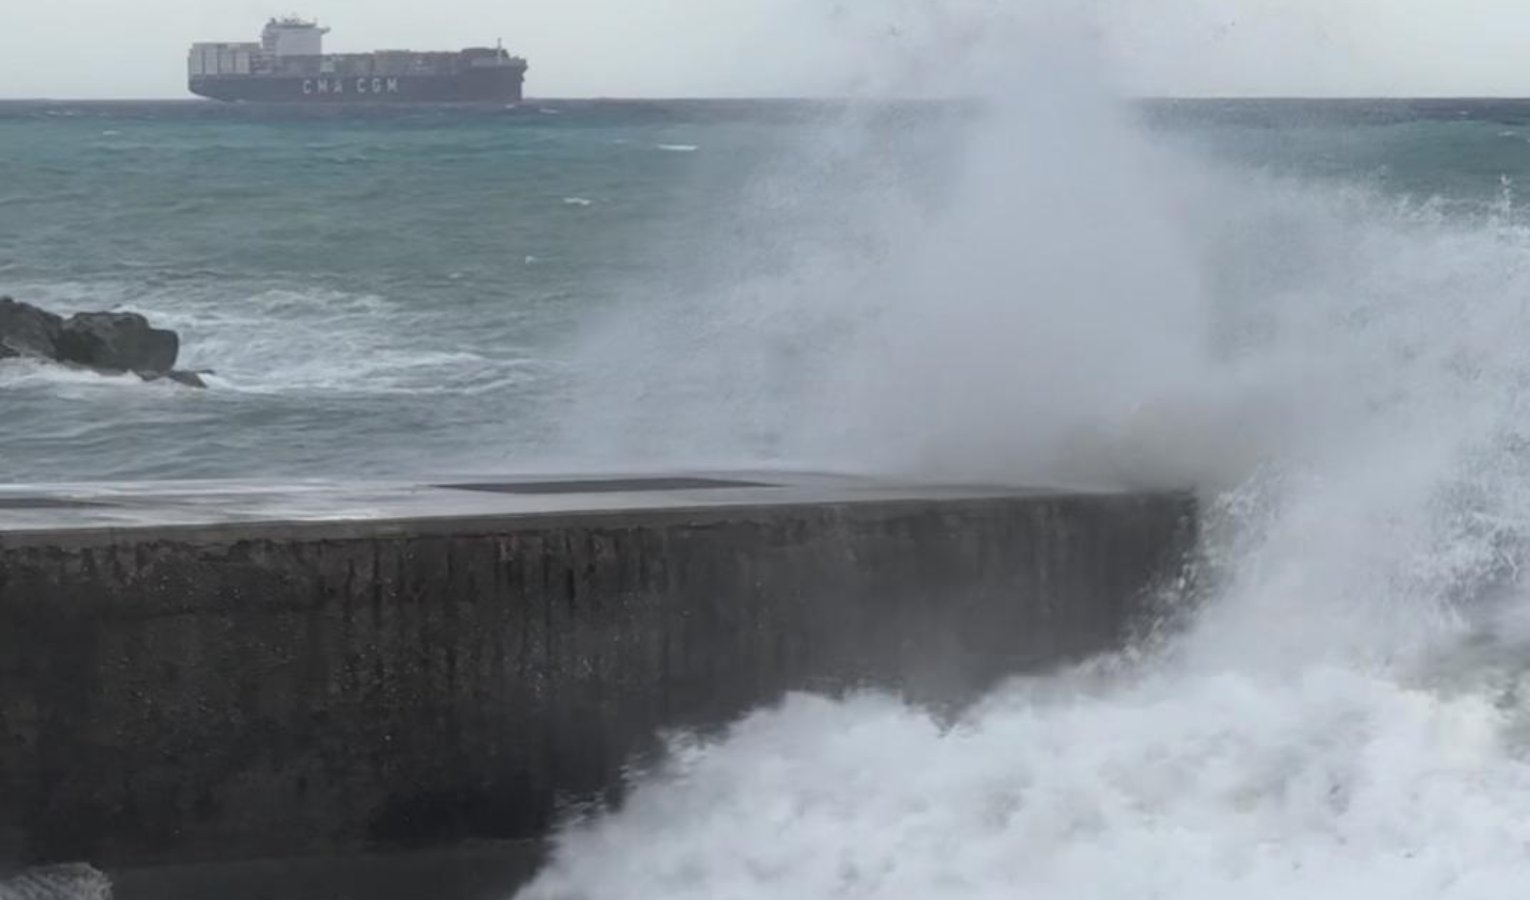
(385, 291)
(376, 292)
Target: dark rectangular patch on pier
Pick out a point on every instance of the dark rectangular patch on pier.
(606, 486)
(45, 503)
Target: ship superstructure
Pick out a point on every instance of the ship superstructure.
(288, 65)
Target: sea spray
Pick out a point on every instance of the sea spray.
(907, 274)
(1341, 374)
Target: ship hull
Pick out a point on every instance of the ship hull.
(490, 85)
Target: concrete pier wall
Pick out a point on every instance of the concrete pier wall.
(175, 693)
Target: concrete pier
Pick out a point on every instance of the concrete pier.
(195, 673)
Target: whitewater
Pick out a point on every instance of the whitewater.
(1332, 703)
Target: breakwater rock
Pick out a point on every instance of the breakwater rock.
(107, 342)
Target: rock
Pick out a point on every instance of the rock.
(190, 379)
(117, 342)
(180, 376)
(26, 330)
(112, 343)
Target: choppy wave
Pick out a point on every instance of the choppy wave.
(294, 374)
(294, 342)
(343, 274)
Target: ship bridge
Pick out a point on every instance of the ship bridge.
(292, 36)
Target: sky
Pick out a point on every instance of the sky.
(691, 48)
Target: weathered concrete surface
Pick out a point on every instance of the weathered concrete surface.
(475, 871)
(197, 692)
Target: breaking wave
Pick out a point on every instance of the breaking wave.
(1338, 707)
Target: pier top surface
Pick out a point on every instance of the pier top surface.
(59, 508)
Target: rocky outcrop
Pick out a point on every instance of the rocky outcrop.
(107, 342)
(118, 342)
(26, 330)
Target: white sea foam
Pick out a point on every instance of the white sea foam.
(679, 148)
(25, 372)
(73, 882)
(1333, 785)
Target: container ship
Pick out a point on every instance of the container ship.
(289, 65)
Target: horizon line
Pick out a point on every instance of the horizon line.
(810, 98)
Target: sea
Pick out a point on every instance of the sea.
(1314, 313)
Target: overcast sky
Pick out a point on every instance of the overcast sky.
(630, 48)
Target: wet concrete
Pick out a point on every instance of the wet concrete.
(480, 871)
(230, 673)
